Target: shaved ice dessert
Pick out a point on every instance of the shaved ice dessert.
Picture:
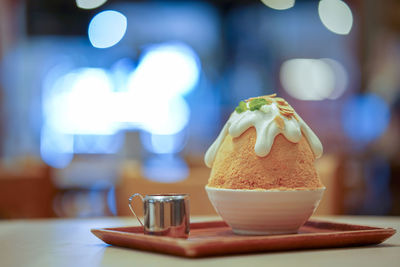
(264, 145)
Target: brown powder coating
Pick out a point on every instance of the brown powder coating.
(287, 166)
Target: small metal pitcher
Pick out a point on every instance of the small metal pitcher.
(165, 214)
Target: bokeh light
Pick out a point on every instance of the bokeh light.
(165, 116)
(279, 4)
(163, 76)
(77, 117)
(365, 117)
(85, 108)
(79, 103)
(56, 149)
(307, 79)
(165, 169)
(111, 201)
(164, 143)
(341, 78)
(107, 28)
(313, 79)
(89, 4)
(336, 16)
(166, 70)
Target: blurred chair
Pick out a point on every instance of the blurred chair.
(26, 190)
(330, 175)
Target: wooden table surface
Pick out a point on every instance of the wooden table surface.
(69, 242)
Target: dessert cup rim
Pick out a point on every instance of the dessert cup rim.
(264, 190)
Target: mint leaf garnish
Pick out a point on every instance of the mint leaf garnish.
(257, 103)
(242, 107)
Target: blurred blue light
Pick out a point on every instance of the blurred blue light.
(56, 149)
(120, 72)
(365, 117)
(97, 144)
(166, 116)
(167, 70)
(79, 103)
(165, 169)
(77, 116)
(90, 105)
(163, 144)
(107, 28)
(111, 201)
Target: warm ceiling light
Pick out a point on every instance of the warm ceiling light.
(279, 4)
(336, 16)
(89, 4)
(107, 28)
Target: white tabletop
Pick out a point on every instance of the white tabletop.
(69, 242)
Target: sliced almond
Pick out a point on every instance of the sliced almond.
(285, 107)
(289, 116)
(270, 96)
(280, 100)
(288, 111)
(280, 122)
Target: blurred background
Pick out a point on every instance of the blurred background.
(102, 99)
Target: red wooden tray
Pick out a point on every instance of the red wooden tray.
(216, 238)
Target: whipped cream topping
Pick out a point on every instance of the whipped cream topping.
(268, 122)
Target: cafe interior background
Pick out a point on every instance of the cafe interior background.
(102, 99)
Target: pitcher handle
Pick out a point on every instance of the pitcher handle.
(130, 206)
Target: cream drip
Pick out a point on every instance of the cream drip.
(267, 129)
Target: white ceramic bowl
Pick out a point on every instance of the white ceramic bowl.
(264, 212)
